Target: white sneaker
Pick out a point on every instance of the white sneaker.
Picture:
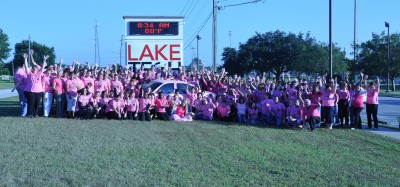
(352, 128)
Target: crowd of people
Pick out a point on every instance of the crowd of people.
(89, 92)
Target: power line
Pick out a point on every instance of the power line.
(201, 28)
(188, 8)
(187, 2)
(188, 16)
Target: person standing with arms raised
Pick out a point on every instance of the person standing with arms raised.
(34, 85)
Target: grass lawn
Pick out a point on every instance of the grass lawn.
(6, 84)
(62, 152)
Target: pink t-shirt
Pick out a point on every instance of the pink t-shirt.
(311, 111)
(344, 94)
(34, 82)
(372, 96)
(111, 105)
(84, 99)
(47, 84)
(296, 112)
(95, 101)
(357, 101)
(133, 104)
(20, 76)
(223, 110)
(207, 110)
(73, 88)
(278, 109)
(265, 106)
(328, 99)
(143, 102)
(160, 104)
(117, 85)
(100, 86)
(58, 85)
(192, 97)
(180, 111)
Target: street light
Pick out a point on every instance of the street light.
(197, 54)
(388, 57)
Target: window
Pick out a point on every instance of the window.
(182, 88)
(167, 88)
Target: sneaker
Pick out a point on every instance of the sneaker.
(352, 128)
(36, 116)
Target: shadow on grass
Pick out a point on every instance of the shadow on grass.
(9, 108)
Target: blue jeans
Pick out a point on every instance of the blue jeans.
(59, 105)
(23, 102)
(241, 118)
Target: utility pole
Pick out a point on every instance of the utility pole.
(215, 9)
(330, 39)
(197, 59)
(355, 37)
(96, 44)
(214, 35)
(388, 56)
(120, 51)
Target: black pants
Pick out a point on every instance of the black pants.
(163, 116)
(131, 116)
(343, 113)
(372, 110)
(356, 118)
(85, 113)
(312, 121)
(33, 100)
(112, 115)
(144, 116)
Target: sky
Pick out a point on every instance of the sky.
(69, 26)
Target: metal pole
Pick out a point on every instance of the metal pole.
(330, 39)
(120, 51)
(197, 54)
(388, 58)
(29, 51)
(355, 31)
(214, 35)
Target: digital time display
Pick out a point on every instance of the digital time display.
(154, 28)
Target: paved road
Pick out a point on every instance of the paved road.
(4, 93)
(389, 108)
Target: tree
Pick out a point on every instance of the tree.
(194, 64)
(314, 58)
(373, 56)
(4, 46)
(39, 51)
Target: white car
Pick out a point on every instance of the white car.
(168, 87)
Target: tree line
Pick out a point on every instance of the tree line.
(279, 52)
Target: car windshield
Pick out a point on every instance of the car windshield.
(153, 85)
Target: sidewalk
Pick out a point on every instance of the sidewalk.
(4, 93)
(384, 132)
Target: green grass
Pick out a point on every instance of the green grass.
(395, 93)
(6, 84)
(62, 152)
